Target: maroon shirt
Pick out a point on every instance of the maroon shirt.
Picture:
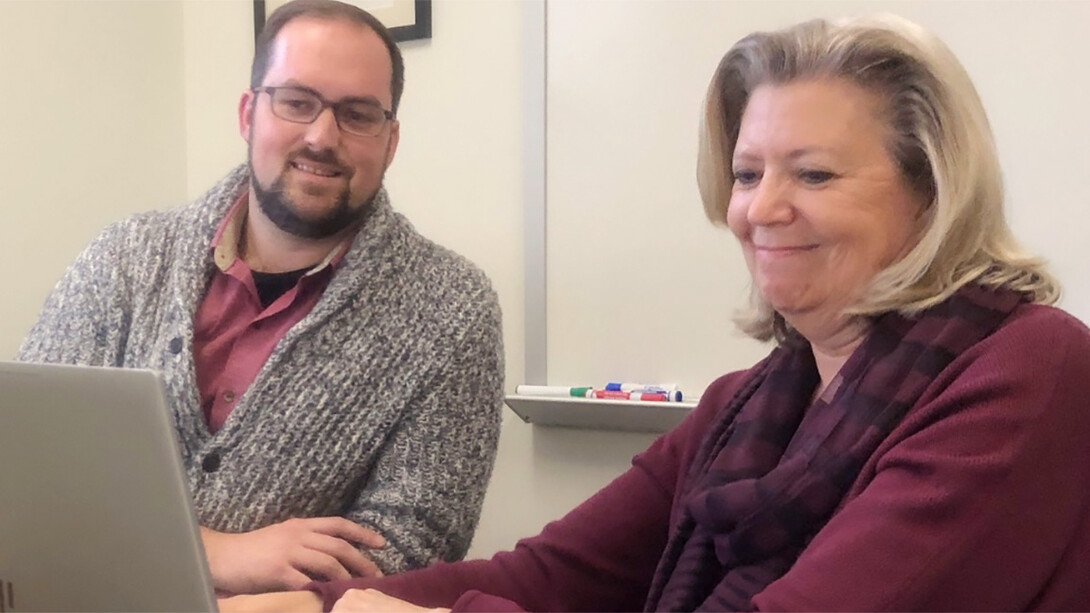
(978, 500)
(233, 334)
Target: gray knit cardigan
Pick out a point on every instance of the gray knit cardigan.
(382, 405)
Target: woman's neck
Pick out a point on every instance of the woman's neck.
(832, 345)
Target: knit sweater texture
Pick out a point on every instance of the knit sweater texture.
(382, 405)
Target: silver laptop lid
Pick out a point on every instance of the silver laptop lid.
(95, 514)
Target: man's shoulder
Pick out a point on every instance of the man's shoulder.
(437, 271)
(445, 266)
(151, 231)
(190, 224)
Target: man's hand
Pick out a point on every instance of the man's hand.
(374, 601)
(288, 555)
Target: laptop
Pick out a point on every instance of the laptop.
(95, 514)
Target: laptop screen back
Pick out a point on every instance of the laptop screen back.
(95, 514)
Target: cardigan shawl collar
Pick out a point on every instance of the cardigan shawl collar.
(370, 256)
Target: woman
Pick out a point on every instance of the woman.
(916, 441)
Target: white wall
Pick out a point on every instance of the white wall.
(218, 47)
(90, 119)
(640, 285)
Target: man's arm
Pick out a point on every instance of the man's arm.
(425, 491)
(85, 318)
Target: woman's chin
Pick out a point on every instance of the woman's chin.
(786, 301)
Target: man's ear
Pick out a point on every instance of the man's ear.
(395, 136)
(246, 113)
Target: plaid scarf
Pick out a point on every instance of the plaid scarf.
(774, 467)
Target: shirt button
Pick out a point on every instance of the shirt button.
(176, 345)
(228, 396)
(211, 462)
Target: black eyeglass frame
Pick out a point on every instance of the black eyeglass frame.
(325, 104)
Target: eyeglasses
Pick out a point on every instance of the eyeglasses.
(300, 105)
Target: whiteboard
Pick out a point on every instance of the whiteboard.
(639, 285)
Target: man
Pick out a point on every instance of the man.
(335, 378)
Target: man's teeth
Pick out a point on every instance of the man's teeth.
(318, 171)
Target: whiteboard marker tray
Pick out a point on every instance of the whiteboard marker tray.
(595, 414)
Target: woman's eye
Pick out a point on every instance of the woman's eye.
(815, 177)
(745, 177)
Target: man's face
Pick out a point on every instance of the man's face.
(314, 180)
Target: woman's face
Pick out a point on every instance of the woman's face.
(818, 203)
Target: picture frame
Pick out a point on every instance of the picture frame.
(405, 19)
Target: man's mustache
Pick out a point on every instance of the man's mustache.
(325, 156)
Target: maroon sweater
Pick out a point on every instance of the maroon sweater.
(978, 500)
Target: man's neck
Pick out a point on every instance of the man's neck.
(266, 248)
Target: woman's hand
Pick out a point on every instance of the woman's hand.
(297, 602)
(367, 601)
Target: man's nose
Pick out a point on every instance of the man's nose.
(323, 132)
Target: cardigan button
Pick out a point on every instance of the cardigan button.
(176, 345)
(211, 462)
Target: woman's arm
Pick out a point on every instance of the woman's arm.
(601, 556)
(297, 602)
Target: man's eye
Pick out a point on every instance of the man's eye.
(815, 177)
(297, 105)
(368, 116)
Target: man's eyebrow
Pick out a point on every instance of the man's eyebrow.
(371, 100)
(292, 83)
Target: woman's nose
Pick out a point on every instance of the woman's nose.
(770, 202)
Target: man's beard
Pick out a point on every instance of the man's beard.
(276, 204)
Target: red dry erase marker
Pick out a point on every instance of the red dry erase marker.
(615, 395)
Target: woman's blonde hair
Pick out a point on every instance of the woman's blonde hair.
(941, 142)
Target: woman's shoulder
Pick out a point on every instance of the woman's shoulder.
(1039, 356)
(1039, 331)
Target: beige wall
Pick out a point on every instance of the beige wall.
(218, 45)
(624, 104)
(91, 131)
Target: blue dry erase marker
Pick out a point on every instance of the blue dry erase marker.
(635, 387)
